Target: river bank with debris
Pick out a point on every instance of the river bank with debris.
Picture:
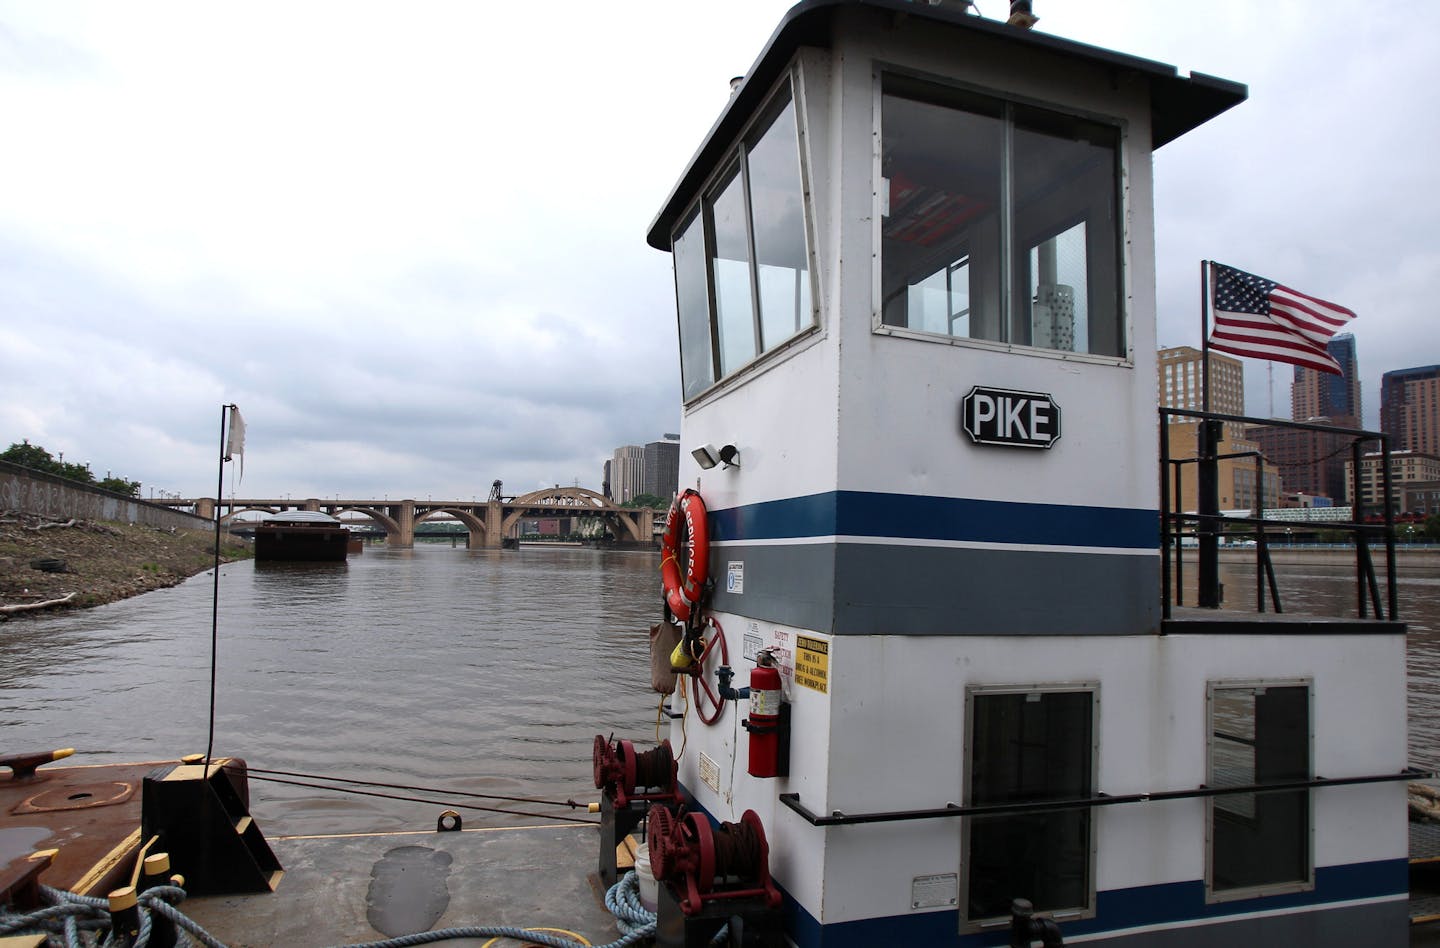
(74, 564)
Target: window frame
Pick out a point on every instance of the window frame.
(1007, 100)
(735, 164)
(1273, 888)
(972, 692)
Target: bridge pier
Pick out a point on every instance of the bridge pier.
(494, 525)
(205, 507)
(404, 515)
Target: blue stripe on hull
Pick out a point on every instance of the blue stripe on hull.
(909, 516)
(1176, 914)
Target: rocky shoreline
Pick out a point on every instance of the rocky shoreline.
(77, 564)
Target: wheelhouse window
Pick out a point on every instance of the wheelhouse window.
(1259, 841)
(1027, 747)
(999, 221)
(742, 272)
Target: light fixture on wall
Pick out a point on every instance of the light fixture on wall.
(707, 456)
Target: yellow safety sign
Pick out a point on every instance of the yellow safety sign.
(812, 663)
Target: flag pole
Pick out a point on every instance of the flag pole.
(1207, 479)
(1204, 336)
(215, 599)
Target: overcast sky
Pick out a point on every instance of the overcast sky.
(408, 239)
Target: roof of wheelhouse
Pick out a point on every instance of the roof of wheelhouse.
(1177, 103)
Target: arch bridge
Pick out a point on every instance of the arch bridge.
(488, 522)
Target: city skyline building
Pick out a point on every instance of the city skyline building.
(1309, 462)
(627, 473)
(1408, 469)
(1181, 385)
(653, 468)
(662, 467)
(1181, 381)
(1410, 409)
(1315, 394)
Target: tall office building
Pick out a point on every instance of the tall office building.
(1323, 395)
(662, 467)
(627, 473)
(1310, 462)
(1182, 384)
(1410, 409)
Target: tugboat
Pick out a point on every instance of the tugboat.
(918, 556)
(915, 281)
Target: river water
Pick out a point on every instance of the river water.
(478, 671)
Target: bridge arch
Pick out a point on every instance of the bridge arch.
(389, 524)
(474, 524)
(230, 517)
(558, 496)
(628, 525)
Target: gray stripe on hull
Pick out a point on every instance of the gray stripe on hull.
(1382, 925)
(874, 589)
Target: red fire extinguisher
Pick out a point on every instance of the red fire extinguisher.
(768, 758)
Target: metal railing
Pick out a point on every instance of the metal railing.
(1207, 526)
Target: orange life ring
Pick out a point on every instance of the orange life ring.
(683, 592)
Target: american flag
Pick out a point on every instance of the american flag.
(1263, 319)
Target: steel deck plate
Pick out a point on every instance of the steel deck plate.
(337, 889)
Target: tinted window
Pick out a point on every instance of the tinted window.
(692, 298)
(1029, 747)
(1258, 840)
(999, 221)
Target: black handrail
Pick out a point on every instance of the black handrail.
(840, 818)
(1172, 522)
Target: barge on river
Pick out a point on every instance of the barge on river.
(307, 536)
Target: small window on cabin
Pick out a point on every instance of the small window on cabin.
(1030, 747)
(998, 221)
(692, 297)
(752, 291)
(1259, 840)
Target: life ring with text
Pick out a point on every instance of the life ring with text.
(685, 521)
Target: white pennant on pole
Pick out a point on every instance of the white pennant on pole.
(235, 443)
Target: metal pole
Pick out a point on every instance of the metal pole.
(215, 599)
(1207, 479)
(1165, 523)
(1391, 593)
(1357, 510)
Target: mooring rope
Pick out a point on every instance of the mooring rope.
(442, 803)
(84, 922)
(80, 921)
(401, 786)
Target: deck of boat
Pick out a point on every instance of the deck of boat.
(365, 887)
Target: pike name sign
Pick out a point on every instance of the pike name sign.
(1011, 418)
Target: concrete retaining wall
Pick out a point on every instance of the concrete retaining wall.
(48, 496)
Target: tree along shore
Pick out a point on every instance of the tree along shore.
(47, 564)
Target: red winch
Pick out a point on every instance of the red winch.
(629, 781)
(622, 772)
(705, 865)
